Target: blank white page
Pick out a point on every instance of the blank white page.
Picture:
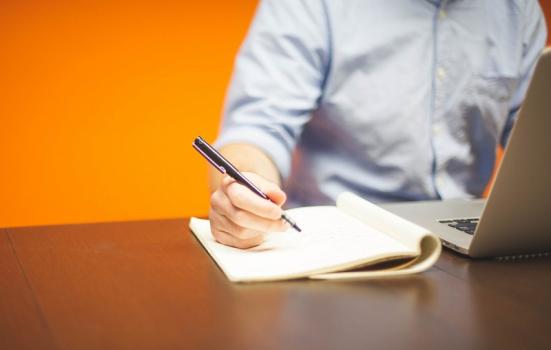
(329, 240)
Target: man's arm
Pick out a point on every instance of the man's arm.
(278, 79)
(277, 82)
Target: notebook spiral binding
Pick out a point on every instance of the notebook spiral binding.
(519, 257)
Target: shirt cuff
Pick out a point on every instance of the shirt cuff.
(270, 144)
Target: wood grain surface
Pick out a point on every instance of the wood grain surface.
(22, 323)
(150, 285)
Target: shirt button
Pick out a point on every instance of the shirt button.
(442, 14)
(440, 73)
(436, 129)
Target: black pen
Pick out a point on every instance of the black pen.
(225, 167)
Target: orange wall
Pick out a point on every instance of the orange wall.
(99, 103)
(546, 6)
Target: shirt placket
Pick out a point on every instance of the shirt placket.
(441, 84)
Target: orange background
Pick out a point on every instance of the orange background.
(99, 103)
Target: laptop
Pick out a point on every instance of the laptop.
(515, 220)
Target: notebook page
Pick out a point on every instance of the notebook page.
(380, 219)
(329, 239)
(415, 237)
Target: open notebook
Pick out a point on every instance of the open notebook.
(354, 234)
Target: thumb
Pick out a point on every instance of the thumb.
(271, 189)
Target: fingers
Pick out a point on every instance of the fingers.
(239, 237)
(242, 218)
(245, 199)
(239, 217)
(229, 240)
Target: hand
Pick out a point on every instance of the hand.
(239, 218)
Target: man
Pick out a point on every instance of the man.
(393, 100)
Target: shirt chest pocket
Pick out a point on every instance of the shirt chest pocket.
(498, 72)
(493, 87)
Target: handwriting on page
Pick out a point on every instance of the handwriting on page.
(332, 229)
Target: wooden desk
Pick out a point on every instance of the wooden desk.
(149, 285)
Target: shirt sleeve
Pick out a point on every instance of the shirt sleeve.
(278, 78)
(534, 38)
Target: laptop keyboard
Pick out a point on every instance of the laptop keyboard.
(465, 225)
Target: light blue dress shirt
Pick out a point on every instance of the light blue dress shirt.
(393, 100)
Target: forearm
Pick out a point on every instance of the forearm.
(246, 158)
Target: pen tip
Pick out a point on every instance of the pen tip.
(291, 222)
